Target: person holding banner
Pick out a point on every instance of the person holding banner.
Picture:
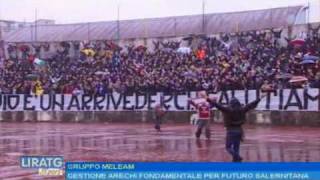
(234, 116)
(204, 114)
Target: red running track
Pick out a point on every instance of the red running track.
(140, 142)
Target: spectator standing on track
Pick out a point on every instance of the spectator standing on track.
(159, 113)
(234, 116)
(204, 114)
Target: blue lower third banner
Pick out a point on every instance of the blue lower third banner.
(192, 170)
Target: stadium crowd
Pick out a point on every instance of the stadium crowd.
(244, 60)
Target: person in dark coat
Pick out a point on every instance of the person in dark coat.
(234, 117)
(159, 113)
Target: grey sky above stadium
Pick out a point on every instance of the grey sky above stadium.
(74, 11)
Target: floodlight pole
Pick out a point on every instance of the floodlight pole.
(0, 32)
(308, 15)
(203, 16)
(88, 31)
(1, 44)
(118, 21)
(36, 24)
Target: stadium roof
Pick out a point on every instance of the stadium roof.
(157, 27)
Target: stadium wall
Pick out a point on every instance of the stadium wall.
(276, 118)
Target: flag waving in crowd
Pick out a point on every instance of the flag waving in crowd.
(39, 62)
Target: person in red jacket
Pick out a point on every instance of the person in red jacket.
(204, 115)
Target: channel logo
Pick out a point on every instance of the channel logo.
(46, 165)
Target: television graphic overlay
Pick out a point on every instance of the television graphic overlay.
(46, 165)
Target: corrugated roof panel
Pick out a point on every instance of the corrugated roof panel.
(158, 27)
(189, 25)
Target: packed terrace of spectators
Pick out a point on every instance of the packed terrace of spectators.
(236, 61)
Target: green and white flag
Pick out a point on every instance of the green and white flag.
(39, 62)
